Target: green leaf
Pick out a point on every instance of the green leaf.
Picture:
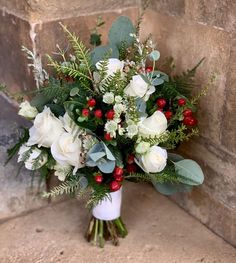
(74, 91)
(100, 53)
(120, 32)
(175, 157)
(189, 172)
(170, 189)
(39, 101)
(154, 55)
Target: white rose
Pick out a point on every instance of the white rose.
(69, 125)
(114, 65)
(153, 125)
(139, 88)
(142, 147)
(35, 158)
(61, 171)
(108, 97)
(154, 160)
(66, 150)
(46, 129)
(27, 111)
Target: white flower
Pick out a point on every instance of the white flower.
(46, 129)
(114, 65)
(139, 88)
(121, 130)
(35, 160)
(111, 127)
(154, 160)
(66, 150)
(142, 147)
(132, 130)
(69, 125)
(61, 171)
(153, 125)
(118, 99)
(27, 111)
(108, 97)
(119, 108)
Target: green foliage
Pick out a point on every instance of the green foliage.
(189, 172)
(120, 32)
(113, 83)
(103, 52)
(170, 189)
(11, 152)
(95, 37)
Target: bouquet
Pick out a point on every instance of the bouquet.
(105, 116)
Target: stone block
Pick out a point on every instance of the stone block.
(169, 7)
(188, 42)
(215, 13)
(19, 193)
(228, 125)
(14, 72)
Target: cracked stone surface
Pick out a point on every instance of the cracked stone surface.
(159, 231)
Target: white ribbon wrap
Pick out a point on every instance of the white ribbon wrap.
(109, 208)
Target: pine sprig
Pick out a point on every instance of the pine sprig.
(81, 52)
(114, 83)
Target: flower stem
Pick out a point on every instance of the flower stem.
(121, 227)
(101, 238)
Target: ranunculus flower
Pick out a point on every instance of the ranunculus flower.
(66, 150)
(114, 65)
(35, 160)
(46, 129)
(27, 111)
(154, 125)
(139, 88)
(154, 160)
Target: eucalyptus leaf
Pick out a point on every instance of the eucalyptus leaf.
(39, 101)
(157, 81)
(175, 157)
(120, 32)
(154, 55)
(170, 189)
(74, 91)
(189, 172)
(99, 53)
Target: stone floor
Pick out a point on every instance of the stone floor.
(159, 231)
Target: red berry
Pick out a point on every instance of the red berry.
(130, 158)
(85, 112)
(110, 114)
(131, 168)
(190, 121)
(91, 102)
(98, 114)
(114, 186)
(107, 137)
(149, 69)
(181, 102)
(98, 178)
(187, 113)
(118, 171)
(118, 178)
(168, 115)
(161, 103)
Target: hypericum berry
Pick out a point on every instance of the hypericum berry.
(149, 69)
(107, 137)
(190, 121)
(187, 113)
(131, 168)
(161, 103)
(110, 114)
(98, 114)
(85, 112)
(130, 158)
(91, 102)
(98, 178)
(114, 186)
(118, 178)
(168, 115)
(118, 171)
(181, 102)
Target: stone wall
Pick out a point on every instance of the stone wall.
(189, 30)
(185, 29)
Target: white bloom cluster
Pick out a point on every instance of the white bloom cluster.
(108, 98)
(111, 127)
(27, 111)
